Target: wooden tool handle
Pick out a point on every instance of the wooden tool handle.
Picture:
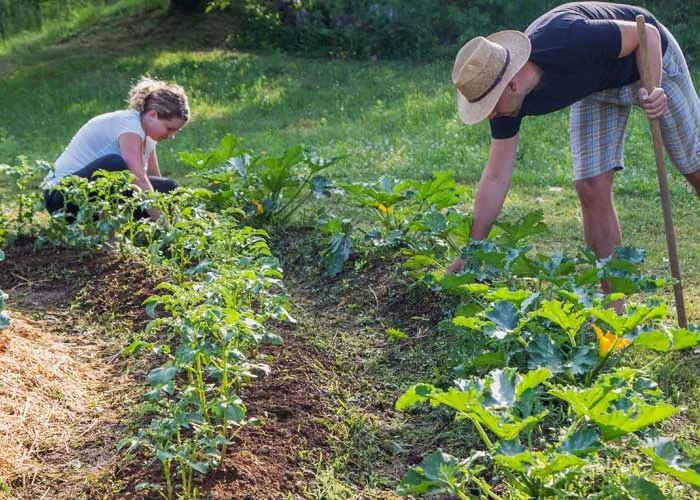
(648, 83)
(644, 71)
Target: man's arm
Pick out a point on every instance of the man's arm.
(654, 103)
(494, 185)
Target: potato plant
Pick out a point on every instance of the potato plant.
(24, 175)
(225, 284)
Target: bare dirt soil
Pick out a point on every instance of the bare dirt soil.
(84, 308)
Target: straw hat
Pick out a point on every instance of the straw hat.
(483, 68)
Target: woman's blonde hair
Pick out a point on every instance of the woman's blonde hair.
(168, 100)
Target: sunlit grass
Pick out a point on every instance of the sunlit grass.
(394, 117)
(73, 23)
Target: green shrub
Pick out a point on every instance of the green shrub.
(416, 29)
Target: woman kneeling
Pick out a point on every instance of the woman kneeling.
(124, 140)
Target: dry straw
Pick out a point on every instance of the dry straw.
(47, 407)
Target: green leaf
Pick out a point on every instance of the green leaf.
(519, 462)
(622, 325)
(151, 304)
(524, 227)
(477, 288)
(616, 409)
(503, 387)
(162, 375)
(163, 455)
(504, 294)
(135, 347)
(454, 283)
(5, 320)
(671, 340)
(415, 395)
(544, 352)
(583, 442)
(438, 474)
(564, 315)
(531, 380)
(642, 489)
(148, 486)
(496, 359)
(419, 262)
(667, 459)
(558, 463)
(630, 254)
(584, 359)
(540, 464)
(504, 314)
(233, 411)
(337, 252)
(274, 339)
(471, 322)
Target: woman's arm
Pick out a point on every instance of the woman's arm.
(153, 167)
(131, 147)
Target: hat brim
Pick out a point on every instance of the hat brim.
(519, 46)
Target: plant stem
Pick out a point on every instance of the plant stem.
(168, 480)
(293, 209)
(482, 433)
(655, 360)
(293, 197)
(486, 488)
(200, 386)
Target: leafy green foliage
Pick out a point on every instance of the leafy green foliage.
(616, 404)
(437, 474)
(544, 314)
(269, 189)
(225, 284)
(490, 402)
(24, 175)
(419, 217)
(668, 459)
(339, 246)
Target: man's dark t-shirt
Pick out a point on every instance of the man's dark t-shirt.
(577, 47)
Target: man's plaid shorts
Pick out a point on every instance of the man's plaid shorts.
(598, 121)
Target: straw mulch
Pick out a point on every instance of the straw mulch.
(50, 410)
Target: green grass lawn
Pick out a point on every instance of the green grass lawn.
(389, 117)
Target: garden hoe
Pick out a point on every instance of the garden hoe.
(663, 182)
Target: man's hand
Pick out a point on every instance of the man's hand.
(456, 267)
(654, 104)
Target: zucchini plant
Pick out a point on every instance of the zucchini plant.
(559, 404)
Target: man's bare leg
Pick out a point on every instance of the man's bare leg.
(601, 228)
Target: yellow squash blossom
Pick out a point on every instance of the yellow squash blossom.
(384, 209)
(606, 340)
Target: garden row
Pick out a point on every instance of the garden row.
(549, 389)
